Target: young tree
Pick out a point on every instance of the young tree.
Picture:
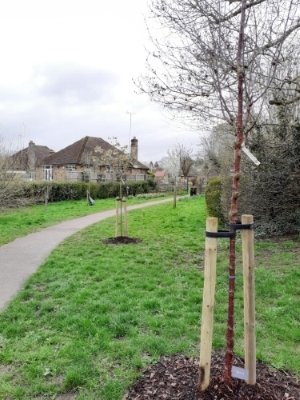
(219, 60)
(118, 162)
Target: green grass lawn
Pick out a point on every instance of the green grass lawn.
(19, 222)
(94, 315)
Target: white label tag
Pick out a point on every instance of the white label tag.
(250, 155)
(239, 373)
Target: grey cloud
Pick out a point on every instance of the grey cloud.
(40, 111)
(75, 84)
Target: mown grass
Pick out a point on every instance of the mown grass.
(95, 315)
(19, 222)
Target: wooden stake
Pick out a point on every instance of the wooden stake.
(125, 218)
(117, 216)
(208, 304)
(249, 299)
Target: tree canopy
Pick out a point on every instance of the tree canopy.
(192, 67)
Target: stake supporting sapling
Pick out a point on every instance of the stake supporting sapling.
(124, 203)
(118, 202)
(121, 217)
(246, 226)
(249, 300)
(208, 303)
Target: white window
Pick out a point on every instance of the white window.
(48, 173)
(70, 167)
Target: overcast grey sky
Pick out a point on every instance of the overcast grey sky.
(66, 72)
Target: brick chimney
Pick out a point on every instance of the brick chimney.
(31, 156)
(134, 149)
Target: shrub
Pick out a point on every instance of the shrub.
(213, 195)
(35, 192)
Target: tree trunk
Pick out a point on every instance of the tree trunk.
(175, 193)
(233, 215)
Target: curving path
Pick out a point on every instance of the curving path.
(21, 257)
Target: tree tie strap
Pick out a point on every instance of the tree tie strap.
(239, 226)
(231, 233)
(220, 234)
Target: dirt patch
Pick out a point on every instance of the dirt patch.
(66, 396)
(121, 240)
(6, 369)
(176, 378)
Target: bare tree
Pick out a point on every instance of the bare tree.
(118, 162)
(219, 60)
(216, 150)
(172, 164)
(186, 162)
(178, 162)
(10, 187)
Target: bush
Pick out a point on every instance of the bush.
(36, 192)
(213, 195)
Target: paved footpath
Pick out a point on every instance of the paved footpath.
(22, 257)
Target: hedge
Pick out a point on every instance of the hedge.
(58, 191)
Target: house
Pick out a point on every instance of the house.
(85, 160)
(160, 175)
(27, 162)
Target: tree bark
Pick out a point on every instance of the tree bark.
(233, 215)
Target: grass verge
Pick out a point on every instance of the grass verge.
(19, 222)
(95, 315)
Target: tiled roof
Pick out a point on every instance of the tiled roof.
(80, 151)
(21, 161)
(77, 152)
(137, 164)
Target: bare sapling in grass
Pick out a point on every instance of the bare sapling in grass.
(119, 162)
(121, 217)
(175, 193)
(246, 226)
(221, 61)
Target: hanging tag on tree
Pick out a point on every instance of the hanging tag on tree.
(250, 155)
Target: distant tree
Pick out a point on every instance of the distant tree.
(10, 188)
(178, 162)
(216, 150)
(170, 163)
(186, 162)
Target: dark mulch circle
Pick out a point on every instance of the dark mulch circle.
(121, 240)
(176, 377)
